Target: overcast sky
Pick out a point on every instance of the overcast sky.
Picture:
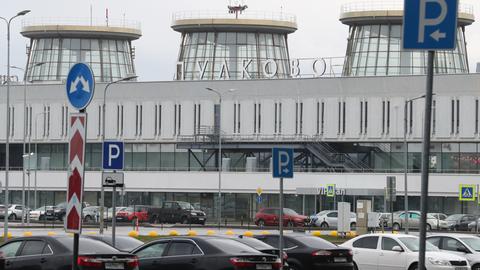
(320, 34)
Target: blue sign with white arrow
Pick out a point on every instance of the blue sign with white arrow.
(282, 163)
(80, 86)
(430, 24)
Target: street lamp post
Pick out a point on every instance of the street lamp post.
(405, 158)
(7, 139)
(220, 161)
(25, 133)
(102, 192)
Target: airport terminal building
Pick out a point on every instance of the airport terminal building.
(347, 130)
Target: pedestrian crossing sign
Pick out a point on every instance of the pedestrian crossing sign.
(467, 193)
(330, 190)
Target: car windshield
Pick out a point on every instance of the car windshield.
(186, 206)
(322, 213)
(472, 242)
(128, 209)
(454, 217)
(413, 244)
(290, 212)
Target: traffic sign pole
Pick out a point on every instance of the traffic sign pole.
(280, 224)
(426, 160)
(114, 221)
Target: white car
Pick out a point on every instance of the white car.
(399, 251)
(329, 219)
(467, 246)
(39, 213)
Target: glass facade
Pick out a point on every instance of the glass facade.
(458, 158)
(376, 50)
(210, 55)
(109, 59)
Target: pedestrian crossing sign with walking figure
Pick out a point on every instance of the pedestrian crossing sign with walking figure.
(467, 193)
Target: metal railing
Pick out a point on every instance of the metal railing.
(124, 23)
(257, 15)
(385, 5)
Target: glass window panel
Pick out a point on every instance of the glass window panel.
(112, 45)
(85, 44)
(231, 38)
(94, 45)
(75, 44)
(202, 38)
(395, 31)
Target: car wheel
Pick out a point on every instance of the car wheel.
(476, 267)
(429, 227)
(413, 266)
(184, 220)
(355, 267)
(324, 225)
(290, 224)
(12, 217)
(353, 225)
(88, 219)
(42, 217)
(396, 227)
(294, 266)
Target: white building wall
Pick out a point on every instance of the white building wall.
(331, 118)
(353, 117)
(467, 117)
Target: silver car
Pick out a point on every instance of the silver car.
(399, 221)
(91, 213)
(329, 219)
(467, 246)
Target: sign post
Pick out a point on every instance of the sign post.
(80, 88)
(428, 25)
(113, 160)
(282, 168)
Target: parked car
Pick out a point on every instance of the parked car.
(14, 211)
(177, 212)
(399, 251)
(91, 213)
(329, 219)
(308, 252)
(39, 213)
(60, 210)
(122, 243)
(132, 213)
(459, 222)
(441, 218)
(467, 246)
(45, 252)
(270, 217)
(262, 247)
(203, 252)
(474, 225)
(399, 221)
(108, 214)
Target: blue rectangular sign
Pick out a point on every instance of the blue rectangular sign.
(113, 153)
(430, 24)
(282, 163)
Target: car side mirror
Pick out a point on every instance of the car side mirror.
(397, 249)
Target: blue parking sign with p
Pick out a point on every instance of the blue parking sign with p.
(282, 163)
(430, 24)
(113, 153)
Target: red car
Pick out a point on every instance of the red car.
(140, 213)
(269, 217)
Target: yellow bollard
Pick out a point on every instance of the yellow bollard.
(133, 234)
(229, 233)
(173, 233)
(248, 234)
(51, 233)
(317, 233)
(153, 234)
(9, 235)
(334, 233)
(27, 234)
(210, 232)
(192, 233)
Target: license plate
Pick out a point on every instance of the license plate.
(339, 259)
(264, 266)
(114, 266)
(201, 219)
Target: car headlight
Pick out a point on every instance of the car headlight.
(193, 214)
(438, 262)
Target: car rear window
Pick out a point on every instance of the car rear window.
(255, 243)
(123, 243)
(88, 246)
(315, 242)
(231, 246)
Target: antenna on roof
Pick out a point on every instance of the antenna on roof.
(238, 7)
